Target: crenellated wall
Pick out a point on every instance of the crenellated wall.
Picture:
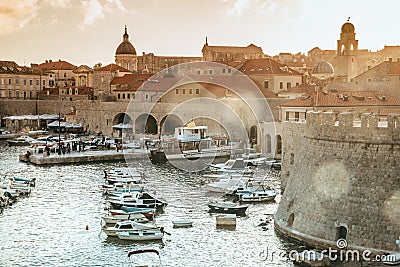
(341, 178)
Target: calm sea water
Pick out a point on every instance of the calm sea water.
(48, 228)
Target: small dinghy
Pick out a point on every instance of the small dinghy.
(223, 207)
(142, 234)
(182, 223)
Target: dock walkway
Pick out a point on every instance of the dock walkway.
(83, 157)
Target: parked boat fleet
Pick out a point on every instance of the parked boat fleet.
(12, 188)
(131, 208)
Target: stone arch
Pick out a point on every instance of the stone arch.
(146, 123)
(253, 135)
(121, 118)
(278, 144)
(290, 220)
(268, 143)
(169, 123)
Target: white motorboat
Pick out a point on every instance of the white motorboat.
(142, 235)
(227, 185)
(257, 195)
(126, 226)
(137, 199)
(182, 223)
(20, 141)
(231, 166)
(137, 217)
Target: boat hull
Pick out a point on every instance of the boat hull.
(239, 210)
(141, 235)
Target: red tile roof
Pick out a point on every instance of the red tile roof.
(55, 65)
(52, 91)
(343, 99)
(302, 88)
(112, 68)
(262, 66)
(130, 82)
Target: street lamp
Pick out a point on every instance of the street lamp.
(59, 133)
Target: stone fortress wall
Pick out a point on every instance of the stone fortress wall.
(341, 179)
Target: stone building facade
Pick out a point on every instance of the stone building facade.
(224, 53)
(18, 82)
(340, 180)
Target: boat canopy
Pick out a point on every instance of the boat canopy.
(64, 124)
(123, 126)
(32, 117)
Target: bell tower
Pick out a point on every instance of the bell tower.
(347, 53)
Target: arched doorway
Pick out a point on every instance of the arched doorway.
(278, 144)
(268, 147)
(253, 135)
(169, 123)
(146, 124)
(122, 124)
(341, 232)
(290, 220)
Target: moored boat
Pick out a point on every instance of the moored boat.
(137, 217)
(224, 207)
(20, 141)
(142, 235)
(126, 226)
(182, 223)
(258, 194)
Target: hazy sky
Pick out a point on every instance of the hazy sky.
(89, 31)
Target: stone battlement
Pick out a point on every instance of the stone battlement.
(351, 127)
(340, 180)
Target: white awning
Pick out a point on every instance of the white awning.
(123, 126)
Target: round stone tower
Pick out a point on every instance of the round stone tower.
(125, 55)
(341, 180)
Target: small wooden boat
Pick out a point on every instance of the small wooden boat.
(182, 223)
(227, 208)
(142, 235)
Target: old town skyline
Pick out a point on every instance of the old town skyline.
(38, 30)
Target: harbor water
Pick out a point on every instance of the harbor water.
(59, 224)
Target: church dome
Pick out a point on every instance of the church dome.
(125, 47)
(323, 67)
(348, 28)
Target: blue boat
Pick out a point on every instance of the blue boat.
(30, 181)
